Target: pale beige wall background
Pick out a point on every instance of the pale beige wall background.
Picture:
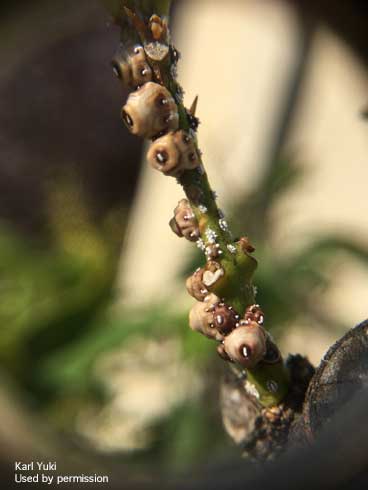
(241, 82)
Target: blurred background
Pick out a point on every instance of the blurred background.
(96, 360)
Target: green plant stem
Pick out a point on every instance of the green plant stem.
(236, 287)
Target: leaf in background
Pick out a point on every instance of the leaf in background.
(291, 287)
(71, 367)
(252, 214)
(320, 252)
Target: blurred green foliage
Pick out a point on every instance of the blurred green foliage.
(57, 322)
(50, 294)
(292, 284)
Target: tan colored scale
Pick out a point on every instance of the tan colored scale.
(158, 27)
(133, 69)
(150, 111)
(184, 223)
(174, 153)
(195, 285)
(246, 344)
(254, 313)
(245, 245)
(201, 318)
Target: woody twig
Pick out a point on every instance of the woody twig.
(226, 309)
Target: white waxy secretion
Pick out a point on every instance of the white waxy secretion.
(231, 248)
(223, 224)
(201, 245)
(210, 278)
(211, 235)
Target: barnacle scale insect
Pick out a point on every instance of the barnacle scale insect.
(132, 67)
(184, 223)
(212, 318)
(246, 344)
(150, 111)
(174, 153)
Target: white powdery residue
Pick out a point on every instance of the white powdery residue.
(255, 291)
(202, 208)
(214, 195)
(208, 251)
(211, 235)
(231, 248)
(201, 245)
(251, 389)
(221, 214)
(223, 224)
